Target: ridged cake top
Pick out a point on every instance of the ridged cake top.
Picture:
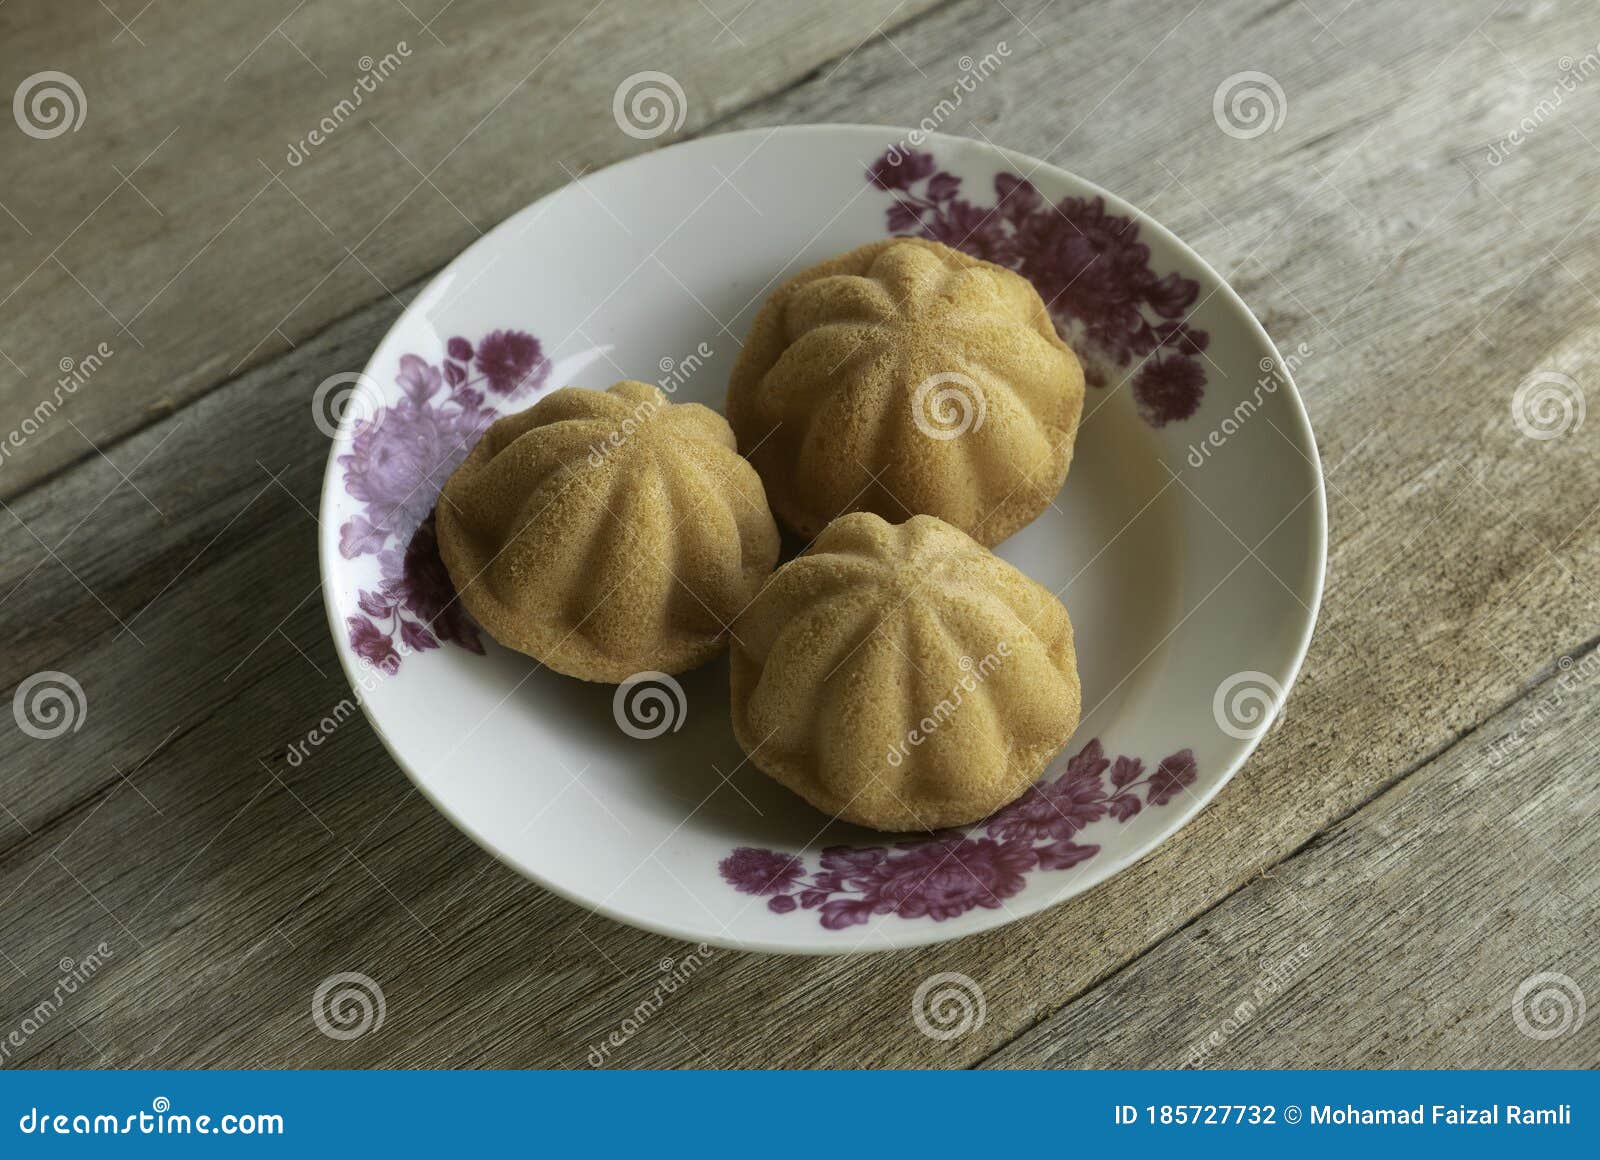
(903, 676)
(607, 532)
(906, 377)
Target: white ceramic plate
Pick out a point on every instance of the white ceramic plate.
(1188, 543)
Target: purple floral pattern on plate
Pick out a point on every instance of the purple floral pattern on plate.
(949, 873)
(398, 462)
(1088, 265)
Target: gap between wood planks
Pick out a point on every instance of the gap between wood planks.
(407, 292)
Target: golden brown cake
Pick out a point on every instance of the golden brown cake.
(903, 677)
(906, 378)
(607, 532)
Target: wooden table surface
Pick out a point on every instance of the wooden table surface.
(1415, 840)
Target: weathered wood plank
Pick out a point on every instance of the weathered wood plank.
(1397, 939)
(177, 226)
(1457, 547)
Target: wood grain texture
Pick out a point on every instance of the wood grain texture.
(1398, 938)
(1427, 284)
(176, 225)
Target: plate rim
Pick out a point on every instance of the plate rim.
(909, 937)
